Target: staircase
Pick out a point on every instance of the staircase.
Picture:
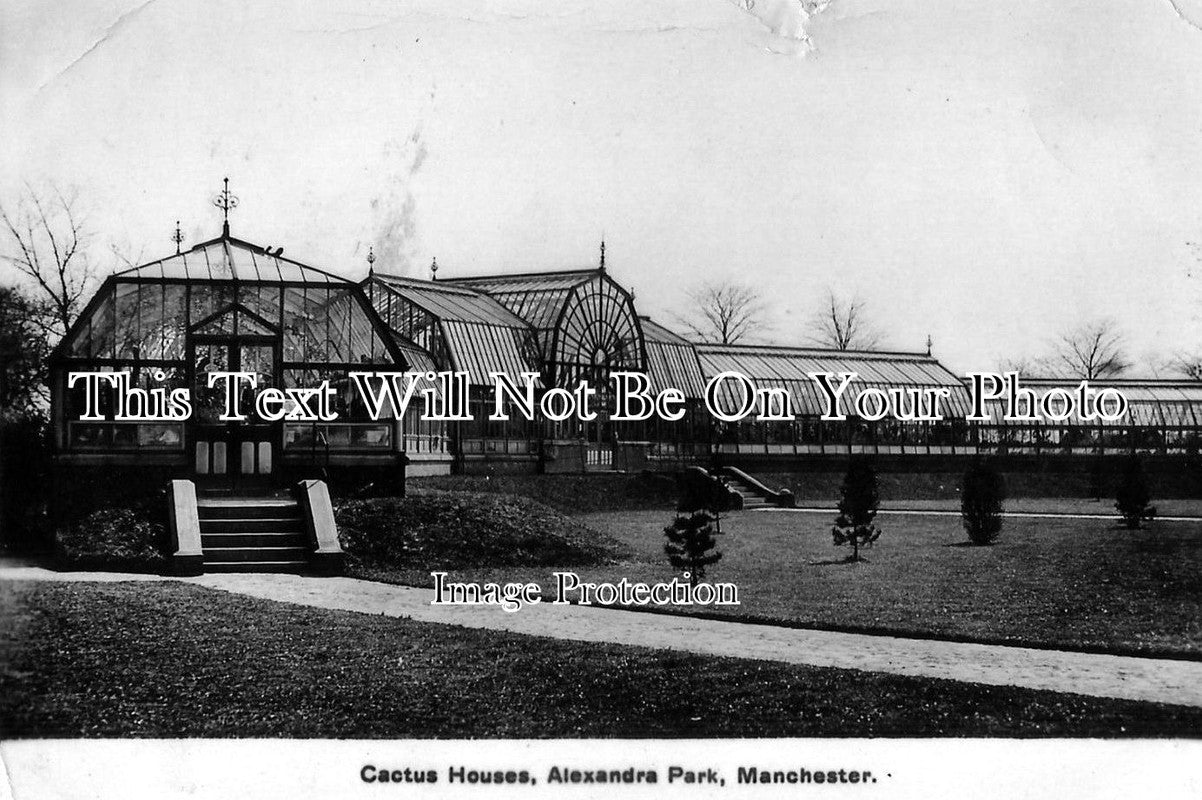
(753, 497)
(252, 535)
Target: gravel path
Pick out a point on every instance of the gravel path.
(1148, 679)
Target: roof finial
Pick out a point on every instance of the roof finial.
(177, 237)
(371, 260)
(434, 269)
(225, 201)
(603, 254)
(930, 344)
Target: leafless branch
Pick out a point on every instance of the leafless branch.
(1025, 366)
(1095, 349)
(725, 312)
(1186, 365)
(843, 325)
(44, 241)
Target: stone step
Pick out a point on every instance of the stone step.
(244, 508)
(289, 566)
(253, 539)
(253, 525)
(218, 555)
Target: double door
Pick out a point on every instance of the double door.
(232, 454)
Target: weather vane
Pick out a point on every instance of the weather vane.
(434, 269)
(177, 237)
(225, 201)
(371, 260)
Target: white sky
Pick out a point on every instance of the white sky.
(983, 172)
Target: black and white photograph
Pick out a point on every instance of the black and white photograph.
(709, 398)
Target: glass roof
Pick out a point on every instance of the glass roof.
(1152, 403)
(789, 368)
(481, 349)
(537, 298)
(671, 361)
(229, 259)
(598, 332)
(470, 330)
(450, 302)
(148, 313)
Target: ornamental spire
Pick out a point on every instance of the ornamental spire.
(177, 237)
(225, 201)
(371, 260)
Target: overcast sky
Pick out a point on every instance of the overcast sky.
(983, 172)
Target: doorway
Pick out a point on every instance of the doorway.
(232, 455)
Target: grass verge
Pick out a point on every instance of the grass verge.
(174, 660)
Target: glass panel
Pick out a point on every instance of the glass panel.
(164, 378)
(223, 295)
(221, 326)
(175, 320)
(201, 305)
(249, 326)
(125, 436)
(371, 436)
(85, 435)
(295, 326)
(317, 317)
(150, 320)
(365, 345)
(339, 436)
(168, 437)
(263, 301)
(95, 338)
(337, 326)
(127, 343)
(208, 403)
(259, 359)
(298, 435)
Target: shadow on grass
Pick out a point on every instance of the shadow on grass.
(840, 561)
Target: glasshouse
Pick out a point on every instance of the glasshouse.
(228, 305)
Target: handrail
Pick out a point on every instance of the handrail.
(781, 497)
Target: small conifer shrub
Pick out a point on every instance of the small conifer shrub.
(981, 502)
(855, 526)
(1134, 497)
(692, 543)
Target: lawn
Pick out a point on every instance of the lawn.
(1077, 584)
(173, 660)
(1174, 507)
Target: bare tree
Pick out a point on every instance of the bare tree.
(46, 243)
(1095, 349)
(843, 325)
(127, 256)
(1025, 366)
(1186, 365)
(725, 312)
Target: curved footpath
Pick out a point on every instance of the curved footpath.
(1148, 679)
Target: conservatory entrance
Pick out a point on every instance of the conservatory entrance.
(236, 454)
